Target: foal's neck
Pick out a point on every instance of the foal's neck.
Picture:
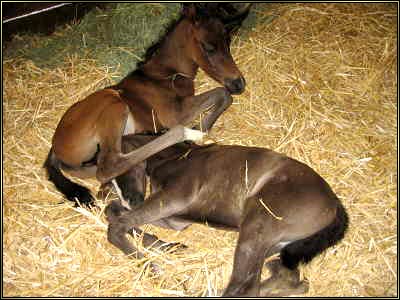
(173, 57)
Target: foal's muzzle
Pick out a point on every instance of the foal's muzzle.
(235, 86)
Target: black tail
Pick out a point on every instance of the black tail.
(71, 190)
(306, 249)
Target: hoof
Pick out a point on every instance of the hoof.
(173, 247)
(299, 289)
(155, 269)
(113, 211)
(104, 190)
(302, 288)
(210, 294)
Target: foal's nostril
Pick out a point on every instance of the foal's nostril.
(240, 84)
(235, 86)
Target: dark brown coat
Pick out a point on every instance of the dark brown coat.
(278, 205)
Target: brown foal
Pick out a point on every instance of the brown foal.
(157, 96)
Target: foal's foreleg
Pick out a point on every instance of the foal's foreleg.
(112, 162)
(156, 207)
(216, 100)
(115, 210)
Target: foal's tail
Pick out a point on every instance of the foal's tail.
(306, 249)
(73, 191)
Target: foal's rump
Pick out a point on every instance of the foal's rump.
(279, 193)
(306, 249)
(86, 124)
(309, 215)
(78, 139)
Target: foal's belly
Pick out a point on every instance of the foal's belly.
(220, 203)
(222, 179)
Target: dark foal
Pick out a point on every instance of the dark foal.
(278, 205)
(158, 95)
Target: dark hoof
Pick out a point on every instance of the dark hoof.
(210, 294)
(155, 269)
(114, 210)
(104, 190)
(302, 288)
(173, 247)
(288, 290)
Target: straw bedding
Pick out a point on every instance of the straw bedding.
(321, 87)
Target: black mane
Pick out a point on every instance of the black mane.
(152, 49)
(156, 45)
(203, 11)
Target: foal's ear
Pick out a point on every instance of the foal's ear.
(232, 17)
(189, 11)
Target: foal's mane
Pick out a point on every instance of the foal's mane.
(153, 49)
(202, 12)
(156, 45)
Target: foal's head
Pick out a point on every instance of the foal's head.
(209, 44)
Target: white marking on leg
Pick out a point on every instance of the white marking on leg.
(124, 203)
(193, 135)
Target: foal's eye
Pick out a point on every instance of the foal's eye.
(210, 49)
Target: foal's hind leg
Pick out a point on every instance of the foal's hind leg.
(283, 281)
(110, 132)
(217, 100)
(249, 257)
